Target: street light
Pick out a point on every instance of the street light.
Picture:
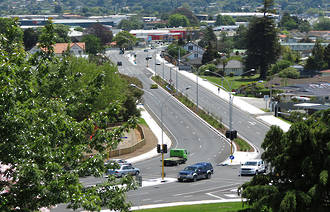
(161, 120)
(230, 110)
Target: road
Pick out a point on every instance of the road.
(187, 131)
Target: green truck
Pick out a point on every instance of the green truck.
(177, 156)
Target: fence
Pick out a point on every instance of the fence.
(139, 144)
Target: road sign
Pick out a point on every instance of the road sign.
(231, 157)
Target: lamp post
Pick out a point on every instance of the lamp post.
(161, 120)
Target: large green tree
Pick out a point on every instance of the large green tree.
(101, 32)
(30, 38)
(316, 62)
(208, 35)
(125, 40)
(177, 20)
(299, 168)
(193, 20)
(263, 47)
(93, 44)
(224, 20)
(43, 147)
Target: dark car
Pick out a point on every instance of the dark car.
(119, 63)
(194, 173)
(207, 165)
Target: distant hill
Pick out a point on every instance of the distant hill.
(151, 7)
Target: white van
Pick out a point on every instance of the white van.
(253, 167)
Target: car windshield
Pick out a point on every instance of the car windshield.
(190, 168)
(251, 163)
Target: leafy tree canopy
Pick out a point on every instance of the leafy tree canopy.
(224, 20)
(49, 124)
(177, 20)
(193, 20)
(125, 40)
(300, 164)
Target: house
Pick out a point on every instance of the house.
(325, 73)
(76, 49)
(194, 49)
(233, 66)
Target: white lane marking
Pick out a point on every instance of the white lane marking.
(158, 200)
(146, 199)
(231, 195)
(212, 195)
(200, 146)
(187, 196)
(213, 188)
(252, 122)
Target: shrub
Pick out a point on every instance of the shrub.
(289, 73)
(154, 86)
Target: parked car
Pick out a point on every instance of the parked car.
(145, 50)
(124, 170)
(195, 172)
(158, 63)
(119, 63)
(253, 167)
(118, 161)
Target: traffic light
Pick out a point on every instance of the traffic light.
(231, 134)
(227, 134)
(164, 148)
(158, 148)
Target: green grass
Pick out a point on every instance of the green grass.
(215, 207)
(235, 82)
(142, 121)
(243, 145)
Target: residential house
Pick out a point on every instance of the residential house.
(233, 66)
(76, 49)
(195, 55)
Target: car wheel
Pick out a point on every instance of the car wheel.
(180, 180)
(137, 173)
(195, 178)
(208, 176)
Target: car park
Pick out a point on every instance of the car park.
(196, 172)
(253, 167)
(124, 170)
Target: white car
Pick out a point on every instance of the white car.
(124, 170)
(253, 167)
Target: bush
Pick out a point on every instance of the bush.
(154, 86)
(289, 73)
(279, 66)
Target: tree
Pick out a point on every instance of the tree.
(173, 50)
(327, 55)
(43, 147)
(299, 162)
(224, 20)
(62, 33)
(14, 35)
(129, 24)
(125, 40)
(193, 20)
(210, 54)
(316, 61)
(30, 38)
(208, 36)
(177, 20)
(101, 32)
(262, 43)
(322, 24)
(92, 43)
(239, 38)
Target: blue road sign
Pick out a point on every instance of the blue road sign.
(231, 157)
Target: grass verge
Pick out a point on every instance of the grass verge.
(241, 144)
(214, 207)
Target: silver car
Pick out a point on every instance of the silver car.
(124, 170)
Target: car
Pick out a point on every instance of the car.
(119, 63)
(124, 170)
(207, 165)
(253, 167)
(158, 63)
(118, 161)
(194, 173)
(145, 50)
